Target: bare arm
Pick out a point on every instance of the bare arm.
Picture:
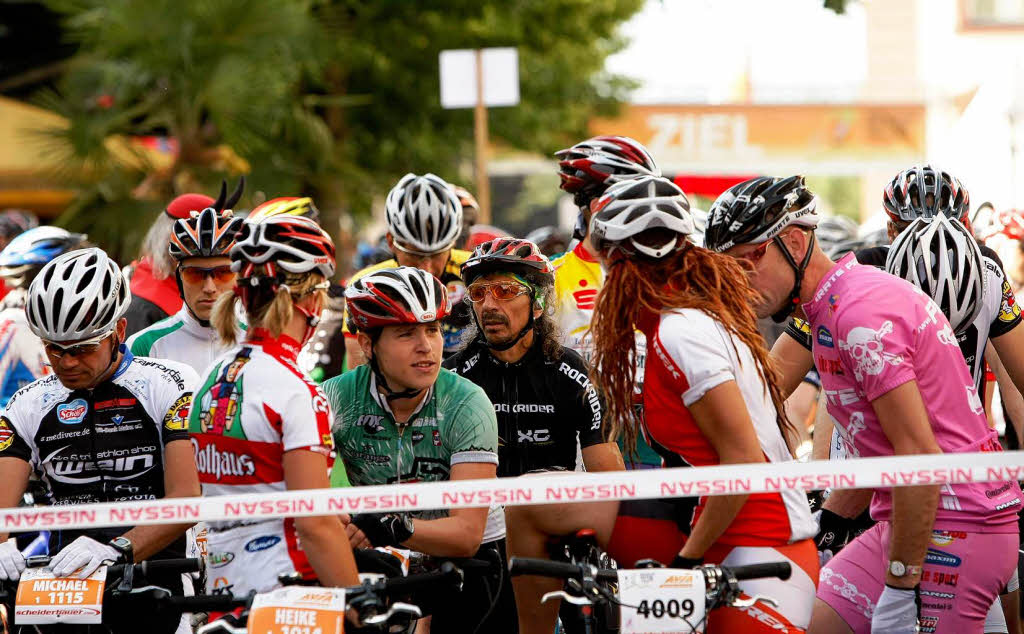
(460, 534)
(323, 538)
(793, 361)
(1009, 388)
(823, 426)
(722, 417)
(905, 423)
(603, 457)
(180, 481)
(14, 474)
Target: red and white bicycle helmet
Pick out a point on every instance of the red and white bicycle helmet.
(423, 213)
(509, 255)
(1007, 222)
(293, 244)
(602, 161)
(924, 191)
(401, 295)
(641, 206)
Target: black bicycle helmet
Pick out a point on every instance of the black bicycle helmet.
(924, 191)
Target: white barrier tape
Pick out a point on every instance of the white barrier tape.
(543, 489)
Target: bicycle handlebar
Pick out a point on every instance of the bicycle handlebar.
(543, 567)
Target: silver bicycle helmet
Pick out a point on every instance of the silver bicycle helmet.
(633, 207)
(78, 295)
(939, 256)
(423, 213)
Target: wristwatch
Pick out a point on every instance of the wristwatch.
(899, 569)
(124, 546)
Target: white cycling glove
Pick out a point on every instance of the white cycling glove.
(896, 611)
(12, 562)
(85, 553)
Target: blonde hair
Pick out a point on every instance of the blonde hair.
(272, 310)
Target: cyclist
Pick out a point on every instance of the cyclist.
(200, 245)
(586, 170)
(107, 426)
(323, 356)
(544, 402)
(12, 223)
(887, 369)
(401, 417)
(22, 359)
(259, 424)
(424, 218)
(470, 214)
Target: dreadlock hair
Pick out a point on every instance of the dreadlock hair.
(267, 307)
(692, 278)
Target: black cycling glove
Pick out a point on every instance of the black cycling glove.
(390, 529)
(834, 531)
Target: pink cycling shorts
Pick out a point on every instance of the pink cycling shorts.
(963, 574)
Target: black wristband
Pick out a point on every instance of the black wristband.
(685, 563)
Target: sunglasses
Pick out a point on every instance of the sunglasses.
(198, 274)
(501, 291)
(755, 256)
(80, 349)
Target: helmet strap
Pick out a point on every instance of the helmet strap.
(205, 323)
(312, 320)
(389, 394)
(501, 347)
(794, 296)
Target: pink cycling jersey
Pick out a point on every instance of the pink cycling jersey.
(872, 332)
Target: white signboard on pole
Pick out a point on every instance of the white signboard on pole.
(459, 76)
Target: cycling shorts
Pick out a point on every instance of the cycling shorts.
(963, 574)
(795, 595)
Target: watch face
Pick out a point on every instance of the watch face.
(897, 568)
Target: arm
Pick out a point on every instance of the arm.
(458, 535)
(323, 538)
(722, 417)
(793, 361)
(1006, 357)
(180, 481)
(905, 423)
(14, 474)
(603, 457)
(823, 426)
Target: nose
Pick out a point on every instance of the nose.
(208, 284)
(67, 362)
(489, 302)
(422, 342)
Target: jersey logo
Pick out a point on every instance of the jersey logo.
(534, 435)
(1009, 310)
(6, 434)
(825, 337)
(585, 299)
(177, 417)
(946, 336)
(72, 413)
(371, 423)
(868, 350)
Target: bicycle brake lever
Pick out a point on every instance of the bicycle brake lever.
(565, 596)
(396, 608)
(746, 603)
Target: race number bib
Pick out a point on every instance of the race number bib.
(661, 601)
(298, 610)
(43, 598)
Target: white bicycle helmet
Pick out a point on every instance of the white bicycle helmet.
(632, 207)
(939, 256)
(423, 213)
(294, 244)
(78, 295)
(402, 295)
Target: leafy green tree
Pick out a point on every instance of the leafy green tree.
(333, 98)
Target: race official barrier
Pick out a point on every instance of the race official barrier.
(544, 489)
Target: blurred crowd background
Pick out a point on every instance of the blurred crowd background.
(110, 108)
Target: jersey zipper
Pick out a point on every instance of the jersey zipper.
(398, 458)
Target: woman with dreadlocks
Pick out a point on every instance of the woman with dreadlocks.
(258, 424)
(709, 398)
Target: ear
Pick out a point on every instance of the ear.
(365, 344)
(122, 326)
(391, 240)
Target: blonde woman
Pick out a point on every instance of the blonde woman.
(258, 424)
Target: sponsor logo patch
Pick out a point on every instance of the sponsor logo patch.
(72, 413)
(217, 560)
(6, 433)
(941, 558)
(261, 543)
(177, 417)
(825, 337)
(1009, 310)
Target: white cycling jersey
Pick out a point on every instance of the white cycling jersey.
(22, 359)
(180, 338)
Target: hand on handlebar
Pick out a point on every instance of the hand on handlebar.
(356, 537)
(85, 553)
(12, 562)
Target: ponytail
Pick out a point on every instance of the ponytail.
(266, 307)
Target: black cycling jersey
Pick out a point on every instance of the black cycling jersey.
(100, 445)
(541, 405)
